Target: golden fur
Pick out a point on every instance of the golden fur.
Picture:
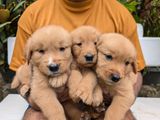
(48, 51)
(116, 68)
(83, 81)
(21, 79)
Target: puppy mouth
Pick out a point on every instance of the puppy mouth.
(89, 63)
(109, 81)
(54, 74)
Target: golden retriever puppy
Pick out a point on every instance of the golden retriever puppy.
(116, 70)
(48, 51)
(22, 79)
(83, 81)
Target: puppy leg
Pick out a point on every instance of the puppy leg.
(22, 79)
(24, 89)
(48, 103)
(97, 96)
(15, 83)
(86, 87)
(121, 102)
(23, 86)
(73, 84)
(45, 97)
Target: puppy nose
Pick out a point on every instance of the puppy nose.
(54, 67)
(89, 57)
(115, 77)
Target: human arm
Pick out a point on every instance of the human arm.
(24, 31)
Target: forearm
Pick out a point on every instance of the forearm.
(138, 84)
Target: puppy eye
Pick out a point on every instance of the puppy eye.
(95, 43)
(127, 63)
(79, 44)
(41, 51)
(62, 49)
(109, 57)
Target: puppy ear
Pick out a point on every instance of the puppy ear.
(134, 66)
(99, 41)
(28, 50)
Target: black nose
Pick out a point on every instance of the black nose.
(115, 77)
(54, 67)
(89, 57)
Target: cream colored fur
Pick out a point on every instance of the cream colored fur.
(117, 57)
(22, 79)
(48, 47)
(83, 81)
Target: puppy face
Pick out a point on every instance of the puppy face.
(84, 41)
(49, 48)
(116, 58)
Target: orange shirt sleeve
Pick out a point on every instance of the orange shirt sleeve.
(23, 33)
(128, 28)
(140, 58)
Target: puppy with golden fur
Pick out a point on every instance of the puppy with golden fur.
(116, 70)
(83, 81)
(48, 51)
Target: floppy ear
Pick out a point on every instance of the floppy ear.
(134, 66)
(99, 42)
(28, 51)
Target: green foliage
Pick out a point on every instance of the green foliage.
(146, 12)
(131, 5)
(10, 11)
(150, 15)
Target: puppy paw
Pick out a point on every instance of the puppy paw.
(59, 80)
(24, 90)
(97, 96)
(72, 94)
(85, 94)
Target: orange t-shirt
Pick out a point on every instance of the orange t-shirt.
(105, 15)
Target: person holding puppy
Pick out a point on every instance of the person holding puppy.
(105, 15)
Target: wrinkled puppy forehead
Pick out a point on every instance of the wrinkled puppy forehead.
(51, 35)
(85, 33)
(116, 43)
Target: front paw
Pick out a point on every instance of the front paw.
(72, 94)
(85, 94)
(97, 96)
(24, 90)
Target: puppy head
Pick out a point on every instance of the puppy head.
(116, 58)
(49, 48)
(84, 40)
